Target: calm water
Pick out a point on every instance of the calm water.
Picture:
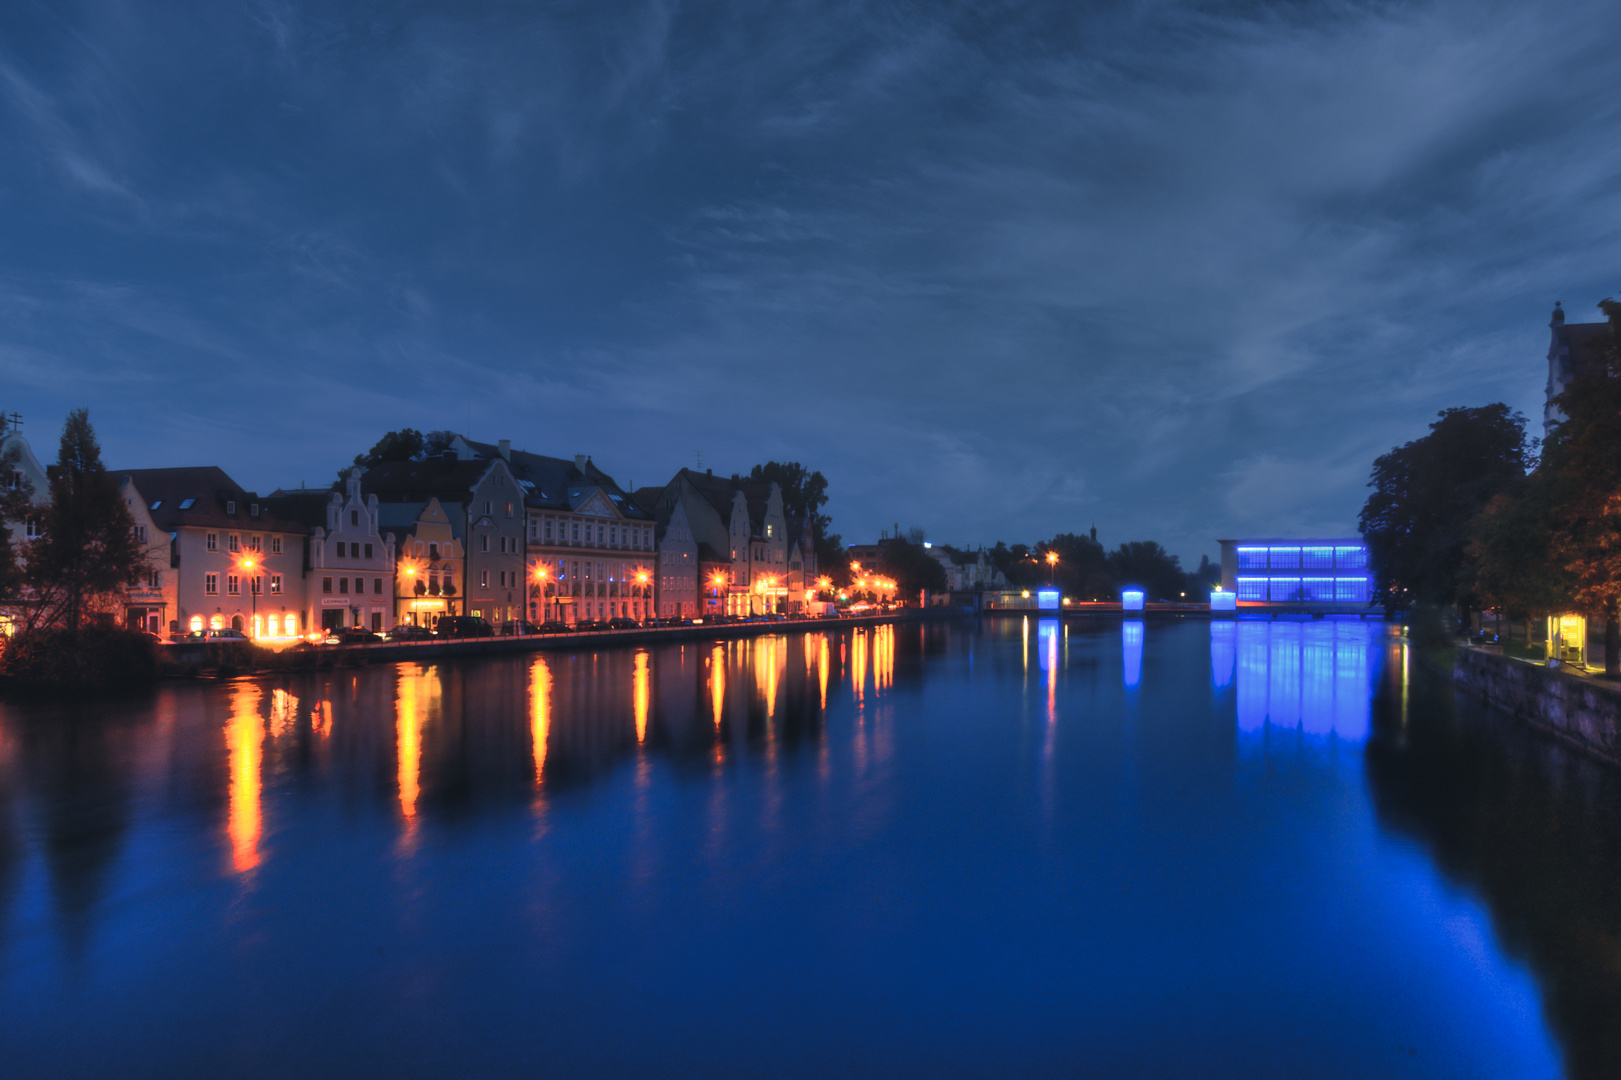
(1172, 849)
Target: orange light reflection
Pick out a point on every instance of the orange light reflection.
(244, 738)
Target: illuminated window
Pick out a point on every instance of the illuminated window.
(275, 584)
(1351, 590)
(1317, 558)
(187, 504)
(1351, 558)
(1283, 588)
(1252, 558)
(216, 622)
(211, 584)
(1317, 589)
(1284, 558)
(509, 509)
(484, 579)
(195, 623)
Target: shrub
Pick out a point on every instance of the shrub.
(97, 657)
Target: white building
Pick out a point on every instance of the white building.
(349, 561)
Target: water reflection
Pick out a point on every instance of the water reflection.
(1223, 652)
(244, 739)
(1131, 644)
(418, 686)
(540, 711)
(1047, 651)
(641, 693)
(1312, 676)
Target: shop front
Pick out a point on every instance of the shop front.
(1567, 639)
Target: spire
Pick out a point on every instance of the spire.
(1558, 315)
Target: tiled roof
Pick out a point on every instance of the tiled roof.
(450, 480)
(197, 496)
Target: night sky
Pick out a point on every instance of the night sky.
(1178, 270)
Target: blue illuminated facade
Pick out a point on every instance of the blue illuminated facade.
(1320, 572)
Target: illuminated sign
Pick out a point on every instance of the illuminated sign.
(1131, 600)
(1047, 599)
(1221, 600)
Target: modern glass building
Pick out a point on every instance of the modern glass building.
(1324, 572)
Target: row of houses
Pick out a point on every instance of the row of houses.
(481, 529)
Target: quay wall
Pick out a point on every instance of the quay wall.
(1580, 712)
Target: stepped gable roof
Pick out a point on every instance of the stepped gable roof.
(552, 483)
(197, 496)
(450, 480)
(719, 492)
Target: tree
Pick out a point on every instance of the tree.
(86, 551)
(405, 444)
(804, 493)
(1416, 522)
(1510, 554)
(1148, 566)
(1581, 470)
(912, 567)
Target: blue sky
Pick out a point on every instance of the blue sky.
(998, 270)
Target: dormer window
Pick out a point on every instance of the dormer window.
(230, 506)
(186, 504)
(254, 509)
(157, 504)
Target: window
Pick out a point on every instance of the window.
(1251, 558)
(254, 509)
(341, 549)
(1284, 558)
(1351, 558)
(31, 529)
(230, 507)
(548, 530)
(234, 542)
(484, 542)
(187, 504)
(256, 584)
(233, 585)
(211, 584)
(489, 507)
(343, 585)
(576, 532)
(613, 535)
(1317, 558)
(433, 551)
(534, 529)
(326, 584)
(1283, 588)
(354, 518)
(1317, 588)
(484, 579)
(253, 543)
(368, 551)
(1252, 588)
(377, 586)
(1351, 590)
(212, 541)
(140, 534)
(509, 509)
(275, 545)
(275, 584)
(601, 532)
(154, 579)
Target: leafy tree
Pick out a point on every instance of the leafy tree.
(1416, 522)
(912, 567)
(1148, 566)
(86, 552)
(1081, 568)
(405, 444)
(804, 493)
(1510, 553)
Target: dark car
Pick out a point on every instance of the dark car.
(590, 624)
(518, 628)
(409, 632)
(624, 624)
(351, 635)
(464, 626)
(552, 627)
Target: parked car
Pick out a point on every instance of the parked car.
(463, 626)
(409, 632)
(552, 627)
(518, 628)
(351, 635)
(226, 634)
(590, 624)
(624, 624)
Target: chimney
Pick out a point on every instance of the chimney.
(504, 448)
(579, 461)
(709, 472)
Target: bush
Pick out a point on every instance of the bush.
(97, 657)
(1432, 626)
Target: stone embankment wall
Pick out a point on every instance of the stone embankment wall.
(1584, 713)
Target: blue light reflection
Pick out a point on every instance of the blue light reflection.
(1223, 653)
(1131, 644)
(1312, 676)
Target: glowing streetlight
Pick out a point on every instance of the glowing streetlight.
(1052, 563)
(245, 566)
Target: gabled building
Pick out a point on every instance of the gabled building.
(590, 546)
(429, 561)
(19, 466)
(348, 560)
(743, 522)
(676, 580)
(484, 505)
(152, 603)
(235, 563)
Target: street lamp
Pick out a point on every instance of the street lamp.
(1052, 562)
(246, 564)
(542, 573)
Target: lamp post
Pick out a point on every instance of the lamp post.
(542, 573)
(641, 582)
(247, 564)
(1052, 563)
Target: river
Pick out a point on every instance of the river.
(1012, 848)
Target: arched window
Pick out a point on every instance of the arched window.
(196, 623)
(236, 622)
(215, 622)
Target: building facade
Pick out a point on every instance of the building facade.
(742, 523)
(1574, 350)
(1332, 571)
(348, 560)
(430, 566)
(152, 602)
(235, 564)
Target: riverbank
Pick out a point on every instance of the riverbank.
(205, 660)
(1580, 711)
